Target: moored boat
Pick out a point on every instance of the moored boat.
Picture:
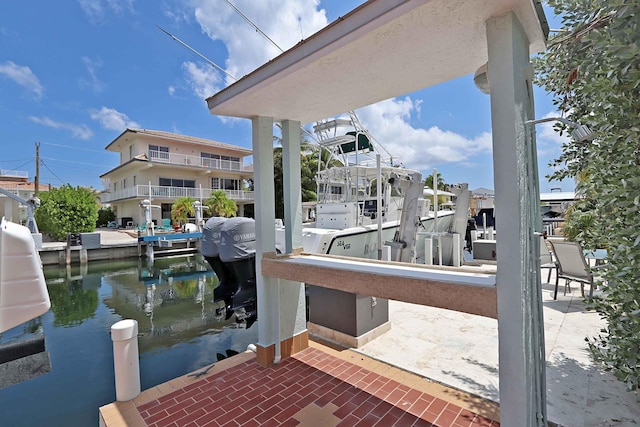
(366, 200)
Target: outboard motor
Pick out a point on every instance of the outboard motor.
(238, 253)
(210, 249)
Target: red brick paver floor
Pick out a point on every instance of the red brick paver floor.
(312, 388)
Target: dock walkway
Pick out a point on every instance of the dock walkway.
(451, 357)
(319, 386)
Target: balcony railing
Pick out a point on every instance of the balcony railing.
(13, 173)
(202, 162)
(157, 192)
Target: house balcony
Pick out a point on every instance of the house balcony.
(6, 173)
(160, 193)
(194, 161)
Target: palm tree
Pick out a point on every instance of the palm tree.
(428, 182)
(220, 204)
(182, 209)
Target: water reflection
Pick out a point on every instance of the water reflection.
(172, 299)
(181, 330)
(22, 353)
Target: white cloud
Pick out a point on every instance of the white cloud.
(204, 80)
(548, 141)
(546, 133)
(171, 90)
(285, 22)
(23, 76)
(93, 82)
(389, 121)
(97, 9)
(178, 13)
(112, 119)
(77, 131)
(421, 149)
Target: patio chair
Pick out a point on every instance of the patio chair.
(571, 266)
(166, 225)
(546, 258)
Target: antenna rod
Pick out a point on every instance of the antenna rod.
(254, 25)
(37, 180)
(210, 62)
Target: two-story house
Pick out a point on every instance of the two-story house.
(163, 166)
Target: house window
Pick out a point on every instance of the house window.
(130, 152)
(225, 184)
(175, 182)
(135, 180)
(158, 152)
(210, 160)
(333, 189)
(227, 162)
(124, 183)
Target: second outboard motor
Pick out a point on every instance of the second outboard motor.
(238, 253)
(210, 249)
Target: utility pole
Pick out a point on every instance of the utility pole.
(37, 179)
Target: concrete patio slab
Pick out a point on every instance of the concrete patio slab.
(461, 350)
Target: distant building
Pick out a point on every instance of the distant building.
(163, 166)
(555, 203)
(16, 182)
(481, 198)
(445, 198)
(553, 207)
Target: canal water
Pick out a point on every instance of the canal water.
(180, 331)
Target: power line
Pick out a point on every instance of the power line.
(75, 148)
(52, 173)
(73, 162)
(25, 163)
(16, 160)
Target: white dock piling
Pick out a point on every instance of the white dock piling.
(386, 253)
(428, 251)
(126, 364)
(457, 252)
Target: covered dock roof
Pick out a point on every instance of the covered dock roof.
(377, 51)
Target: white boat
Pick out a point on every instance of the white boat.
(362, 196)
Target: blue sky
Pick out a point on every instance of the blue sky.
(75, 74)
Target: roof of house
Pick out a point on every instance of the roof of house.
(115, 144)
(22, 185)
(558, 196)
(481, 191)
(426, 191)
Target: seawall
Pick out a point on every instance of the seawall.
(106, 244)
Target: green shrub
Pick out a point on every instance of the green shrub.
(67, 210)
(105, 216)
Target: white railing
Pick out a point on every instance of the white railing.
(331, 198)
(202, 162)
(14, 173)
(157, 192)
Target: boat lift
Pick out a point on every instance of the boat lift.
(31, 204)
(148, 223)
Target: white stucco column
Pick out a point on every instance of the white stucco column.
(520, 331)
(293, 318)
(292, 184)
(267, 293)
(8, 209)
